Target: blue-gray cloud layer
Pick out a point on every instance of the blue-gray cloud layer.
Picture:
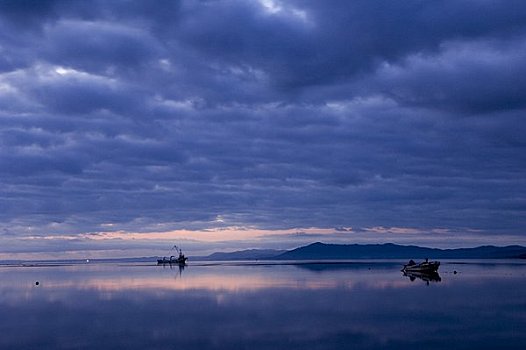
(151, 115)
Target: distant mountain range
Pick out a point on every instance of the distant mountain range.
(250, 254)
(321, 251)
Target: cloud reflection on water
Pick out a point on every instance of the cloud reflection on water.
(258, 307)
(158, 279)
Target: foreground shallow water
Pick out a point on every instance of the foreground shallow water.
(358, 305)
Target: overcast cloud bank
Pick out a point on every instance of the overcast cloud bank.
(158, 116)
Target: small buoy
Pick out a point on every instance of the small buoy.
(37, 283)
(455, 272)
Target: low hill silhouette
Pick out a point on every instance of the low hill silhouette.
(322, 251)
(393, 251)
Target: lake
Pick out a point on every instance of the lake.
(354, 305)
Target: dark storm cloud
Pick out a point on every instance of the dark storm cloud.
(264, 113)
(316, 43)
(91, 46)
(456, 79)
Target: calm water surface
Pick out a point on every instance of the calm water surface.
(365, 305)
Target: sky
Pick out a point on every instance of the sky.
(130, 126)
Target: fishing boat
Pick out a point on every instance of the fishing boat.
(423, 267)
(180, 259)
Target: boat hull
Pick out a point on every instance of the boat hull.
(425, 267)
(179, 261)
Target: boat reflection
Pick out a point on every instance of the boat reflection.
(424, 276)
(176, 267)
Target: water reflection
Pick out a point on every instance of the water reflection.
(219, 277)
(174, 267)
(260, 307)
(424, 276)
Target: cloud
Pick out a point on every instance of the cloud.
(268, 114)
(104, 48)
(456, 79)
